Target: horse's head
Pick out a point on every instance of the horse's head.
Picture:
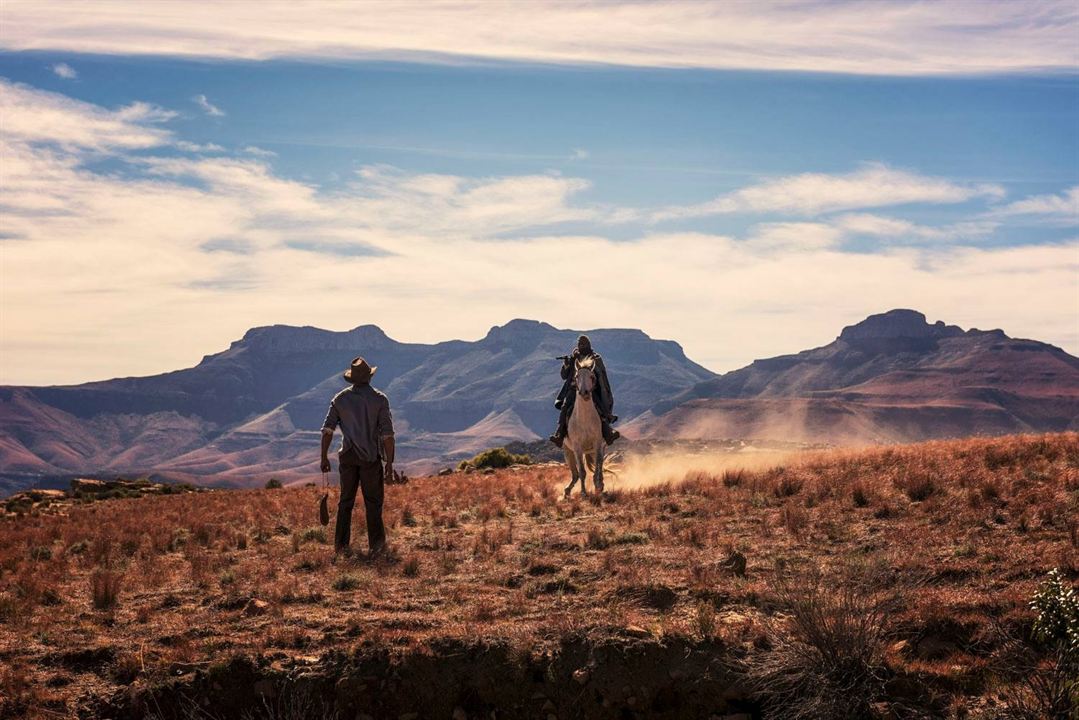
(586, 378)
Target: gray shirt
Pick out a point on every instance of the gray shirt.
(364, 416)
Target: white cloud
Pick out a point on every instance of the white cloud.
(904, 230)
(871, 186)
(887, 37)
(65, 71)
(199, 147)
(150, 269)
(259, 152)
(1061, 209)
(35, 116)
(579, 154)
(208, 107)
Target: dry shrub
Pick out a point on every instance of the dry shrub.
(795, 519)
(105, 588)
(827, 661)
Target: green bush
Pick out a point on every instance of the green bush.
(273, 484)
(495, 458)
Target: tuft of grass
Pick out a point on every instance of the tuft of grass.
(273, 484)
(411, 566)
(346, 583)
(105, 588)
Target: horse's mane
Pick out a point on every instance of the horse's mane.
(587, 362)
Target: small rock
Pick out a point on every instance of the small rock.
(445, 471)
(581, 675)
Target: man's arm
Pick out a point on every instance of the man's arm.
(327, 438)
(385, 432)
(332, 419)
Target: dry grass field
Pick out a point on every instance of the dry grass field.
(887, 582)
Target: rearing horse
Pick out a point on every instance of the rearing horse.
(584, 446)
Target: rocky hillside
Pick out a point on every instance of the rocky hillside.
(891, 377)
(254, 410)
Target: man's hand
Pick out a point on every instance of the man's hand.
(324, 466)
(388, 477)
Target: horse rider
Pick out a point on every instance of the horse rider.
(602, 397)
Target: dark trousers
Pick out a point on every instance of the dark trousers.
(366, 476)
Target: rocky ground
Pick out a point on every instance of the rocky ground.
(904, 573)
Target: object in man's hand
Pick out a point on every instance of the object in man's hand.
(323, 505)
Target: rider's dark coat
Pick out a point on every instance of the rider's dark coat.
(602, 396)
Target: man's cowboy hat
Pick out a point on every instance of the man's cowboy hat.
(360, 371)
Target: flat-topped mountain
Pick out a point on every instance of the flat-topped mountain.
(255, 409)
(891, 377)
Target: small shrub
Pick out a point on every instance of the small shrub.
(597, 540)
(495, 458)
(105, 588)
(630, 538)
(860, 495)
(314, 534)
(829, 660)
(706, 620)
(733, 478)
(345, 583)
(41, 553)
(273, 484)
(918, 487)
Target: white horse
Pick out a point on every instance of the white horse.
(584, 446)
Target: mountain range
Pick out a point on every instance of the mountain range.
(254, 410)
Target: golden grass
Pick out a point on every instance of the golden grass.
(165, 582)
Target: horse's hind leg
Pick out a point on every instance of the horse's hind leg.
(571, 463)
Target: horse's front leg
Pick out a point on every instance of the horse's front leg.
(597, 476)
(582, 463)
(571, 463)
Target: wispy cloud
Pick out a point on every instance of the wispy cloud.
(887, 37)
(220, 243)
(1056, 209)
(35, 116)
(65, 71)
(815, 193)
(208, 107)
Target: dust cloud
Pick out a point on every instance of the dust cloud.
(640, 470)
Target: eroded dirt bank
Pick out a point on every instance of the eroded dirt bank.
(613, 678)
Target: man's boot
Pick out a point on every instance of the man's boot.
(560, 433)
(609, 433)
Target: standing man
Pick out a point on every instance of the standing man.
(367, 440)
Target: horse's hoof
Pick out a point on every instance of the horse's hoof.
(566, 494)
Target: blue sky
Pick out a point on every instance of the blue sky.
(178, 197)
